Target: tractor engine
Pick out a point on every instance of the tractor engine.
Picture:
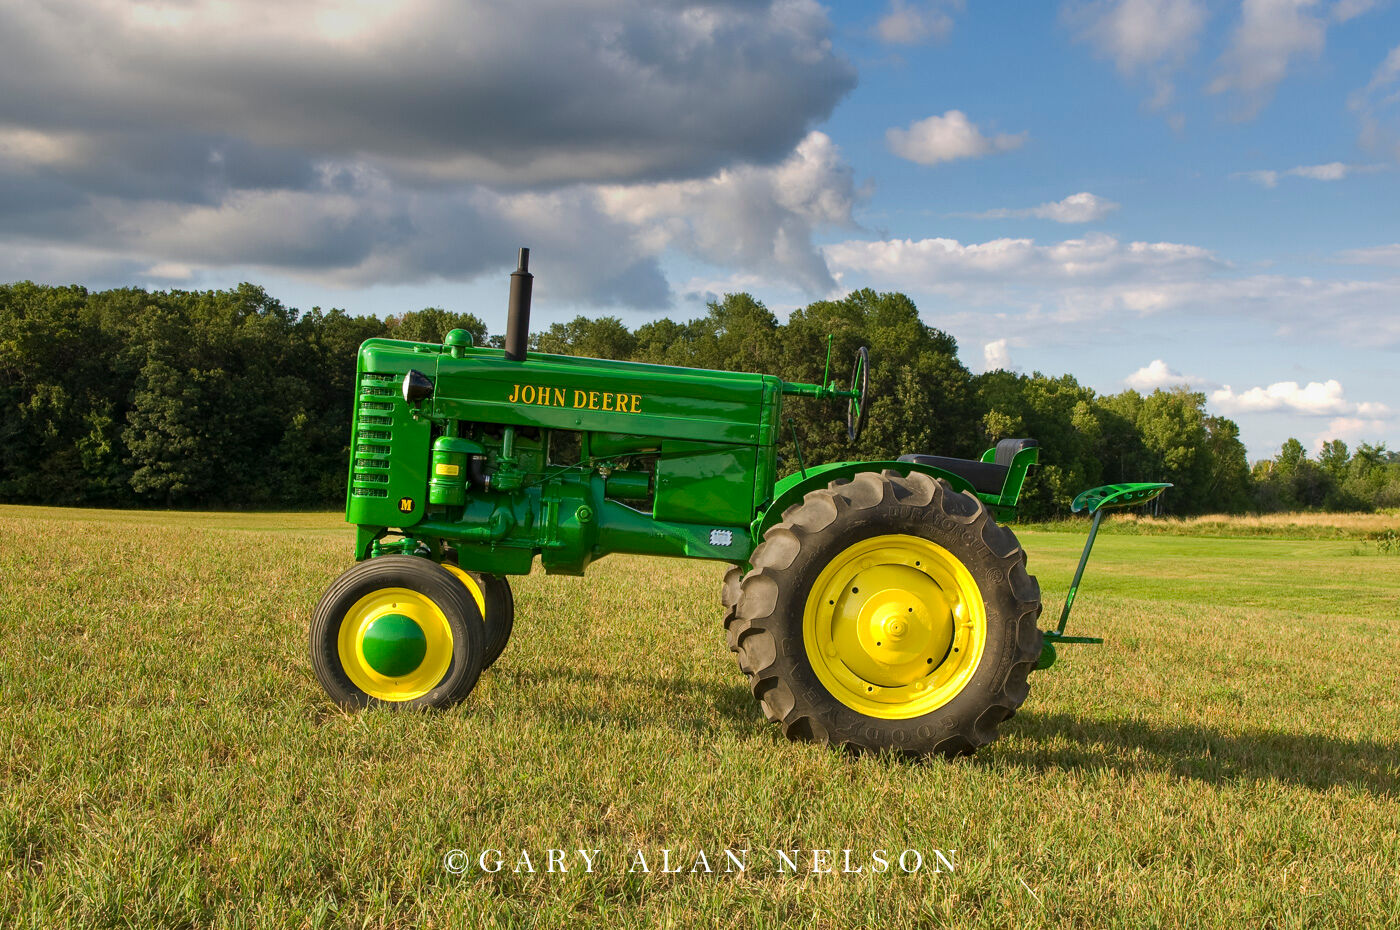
(503, 454)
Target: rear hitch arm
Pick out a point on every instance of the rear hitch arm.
(1098, 501)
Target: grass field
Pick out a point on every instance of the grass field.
(1231, 757)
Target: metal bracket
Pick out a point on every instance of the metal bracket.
(1054, 637)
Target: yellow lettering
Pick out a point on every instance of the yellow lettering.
(547, 396)
(514, 394)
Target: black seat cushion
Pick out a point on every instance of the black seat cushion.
(1007, 449)
(986, 477)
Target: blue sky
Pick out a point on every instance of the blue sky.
(1136, 192)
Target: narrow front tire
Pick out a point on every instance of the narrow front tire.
(397, 631)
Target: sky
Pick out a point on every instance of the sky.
(1140, 193)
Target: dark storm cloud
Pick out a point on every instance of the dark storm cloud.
(547, 92)
(362, 142)
(170, 165)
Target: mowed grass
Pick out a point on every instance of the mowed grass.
(1229, 758)
(1290, 525)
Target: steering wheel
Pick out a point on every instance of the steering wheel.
(858, 405)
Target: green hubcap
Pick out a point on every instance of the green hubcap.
(394, 645)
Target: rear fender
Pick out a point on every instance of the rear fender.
(794, 487)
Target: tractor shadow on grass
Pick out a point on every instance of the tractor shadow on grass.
(1035, 740)
(629, 700)
(1062, 741)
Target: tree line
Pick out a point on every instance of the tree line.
(129, 397)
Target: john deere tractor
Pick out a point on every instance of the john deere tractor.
(875, 605)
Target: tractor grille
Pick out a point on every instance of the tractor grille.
(372, 450)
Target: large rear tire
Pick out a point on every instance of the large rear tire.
(887, 612)
(398, 631)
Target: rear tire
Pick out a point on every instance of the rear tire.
(934, 653)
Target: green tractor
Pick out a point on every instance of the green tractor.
(874, 605)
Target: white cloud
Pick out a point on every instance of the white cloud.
(906, 23)
(1353, 429)
(1387, 71)
(1331, 171)
(1083, 207)
(1022, 283)
(946, 138)
(946, 263)
(995, 355)
(1158, 374)
(1386, 255)
(1149, 37)
(1316, 398)
(22, 147)
(170, 271)
(1345, 10)
(1271, 33)
(1376, 106)
(750, 218)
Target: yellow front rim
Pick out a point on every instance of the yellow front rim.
(393, 607)
(470, 584)
(894, 626)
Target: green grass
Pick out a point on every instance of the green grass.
(1229, 758)
(1298, 525)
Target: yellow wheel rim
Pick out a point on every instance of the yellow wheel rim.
(470, 584)
(395, 644)
(895, 626)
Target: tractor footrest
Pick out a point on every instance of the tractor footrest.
(1052, 637)
(1048, 653)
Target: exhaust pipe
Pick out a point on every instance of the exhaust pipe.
(518, 310)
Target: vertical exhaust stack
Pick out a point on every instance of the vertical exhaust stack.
(518, 310)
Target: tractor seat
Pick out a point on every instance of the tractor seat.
(985, 477)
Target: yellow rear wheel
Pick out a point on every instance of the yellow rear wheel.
(894, 626)
(887, 612)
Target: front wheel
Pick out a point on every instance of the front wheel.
(888, 612)
(398, 631)
(494, 599)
